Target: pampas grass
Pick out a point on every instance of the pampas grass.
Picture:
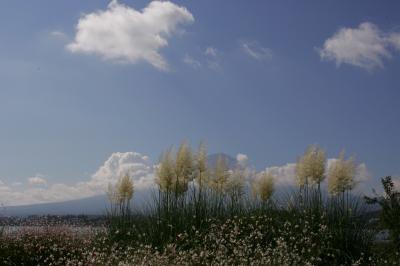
(202, 216)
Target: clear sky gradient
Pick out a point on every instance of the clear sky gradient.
(246, 76)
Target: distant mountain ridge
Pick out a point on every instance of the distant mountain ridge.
(89, 206)
(212, 160)
(96, 205)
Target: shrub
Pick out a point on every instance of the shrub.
(390, 209)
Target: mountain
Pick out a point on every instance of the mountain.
(89, 206)
(212, 160)
(96, 205)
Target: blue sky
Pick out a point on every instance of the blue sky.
(263, 78)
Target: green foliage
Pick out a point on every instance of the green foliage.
(390, 209)
(120, 214)
(297, 235)
(211, 221)
(213, 216)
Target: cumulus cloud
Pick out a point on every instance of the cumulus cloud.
(123, 34)
(134, 164)
(242, 159)
(362, 173)
(286, 175)
(142, 171)
(365, 46)
(37, 180)
(255, 50)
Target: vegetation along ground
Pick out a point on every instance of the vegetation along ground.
(202, 215)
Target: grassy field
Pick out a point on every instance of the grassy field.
(213, 219)
(210, 234)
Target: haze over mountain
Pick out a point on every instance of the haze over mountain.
(95, 205)
(98, 204)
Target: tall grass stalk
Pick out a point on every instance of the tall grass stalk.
(191, 201)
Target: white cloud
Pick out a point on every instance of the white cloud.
(242, 159)
(211, 51)
(142, 171)
(187, 59)
(255, 50)
(210, 58)
(362, 178)
(37, 180)
(3, 188)
(134, 164)
(362, 173)
(122, 34)
(286, 175)
(365, 46)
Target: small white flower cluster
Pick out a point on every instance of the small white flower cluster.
(253, 240)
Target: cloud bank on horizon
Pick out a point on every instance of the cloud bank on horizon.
(38, 189)
(142, 172)
(125, 35)
(37, 180)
